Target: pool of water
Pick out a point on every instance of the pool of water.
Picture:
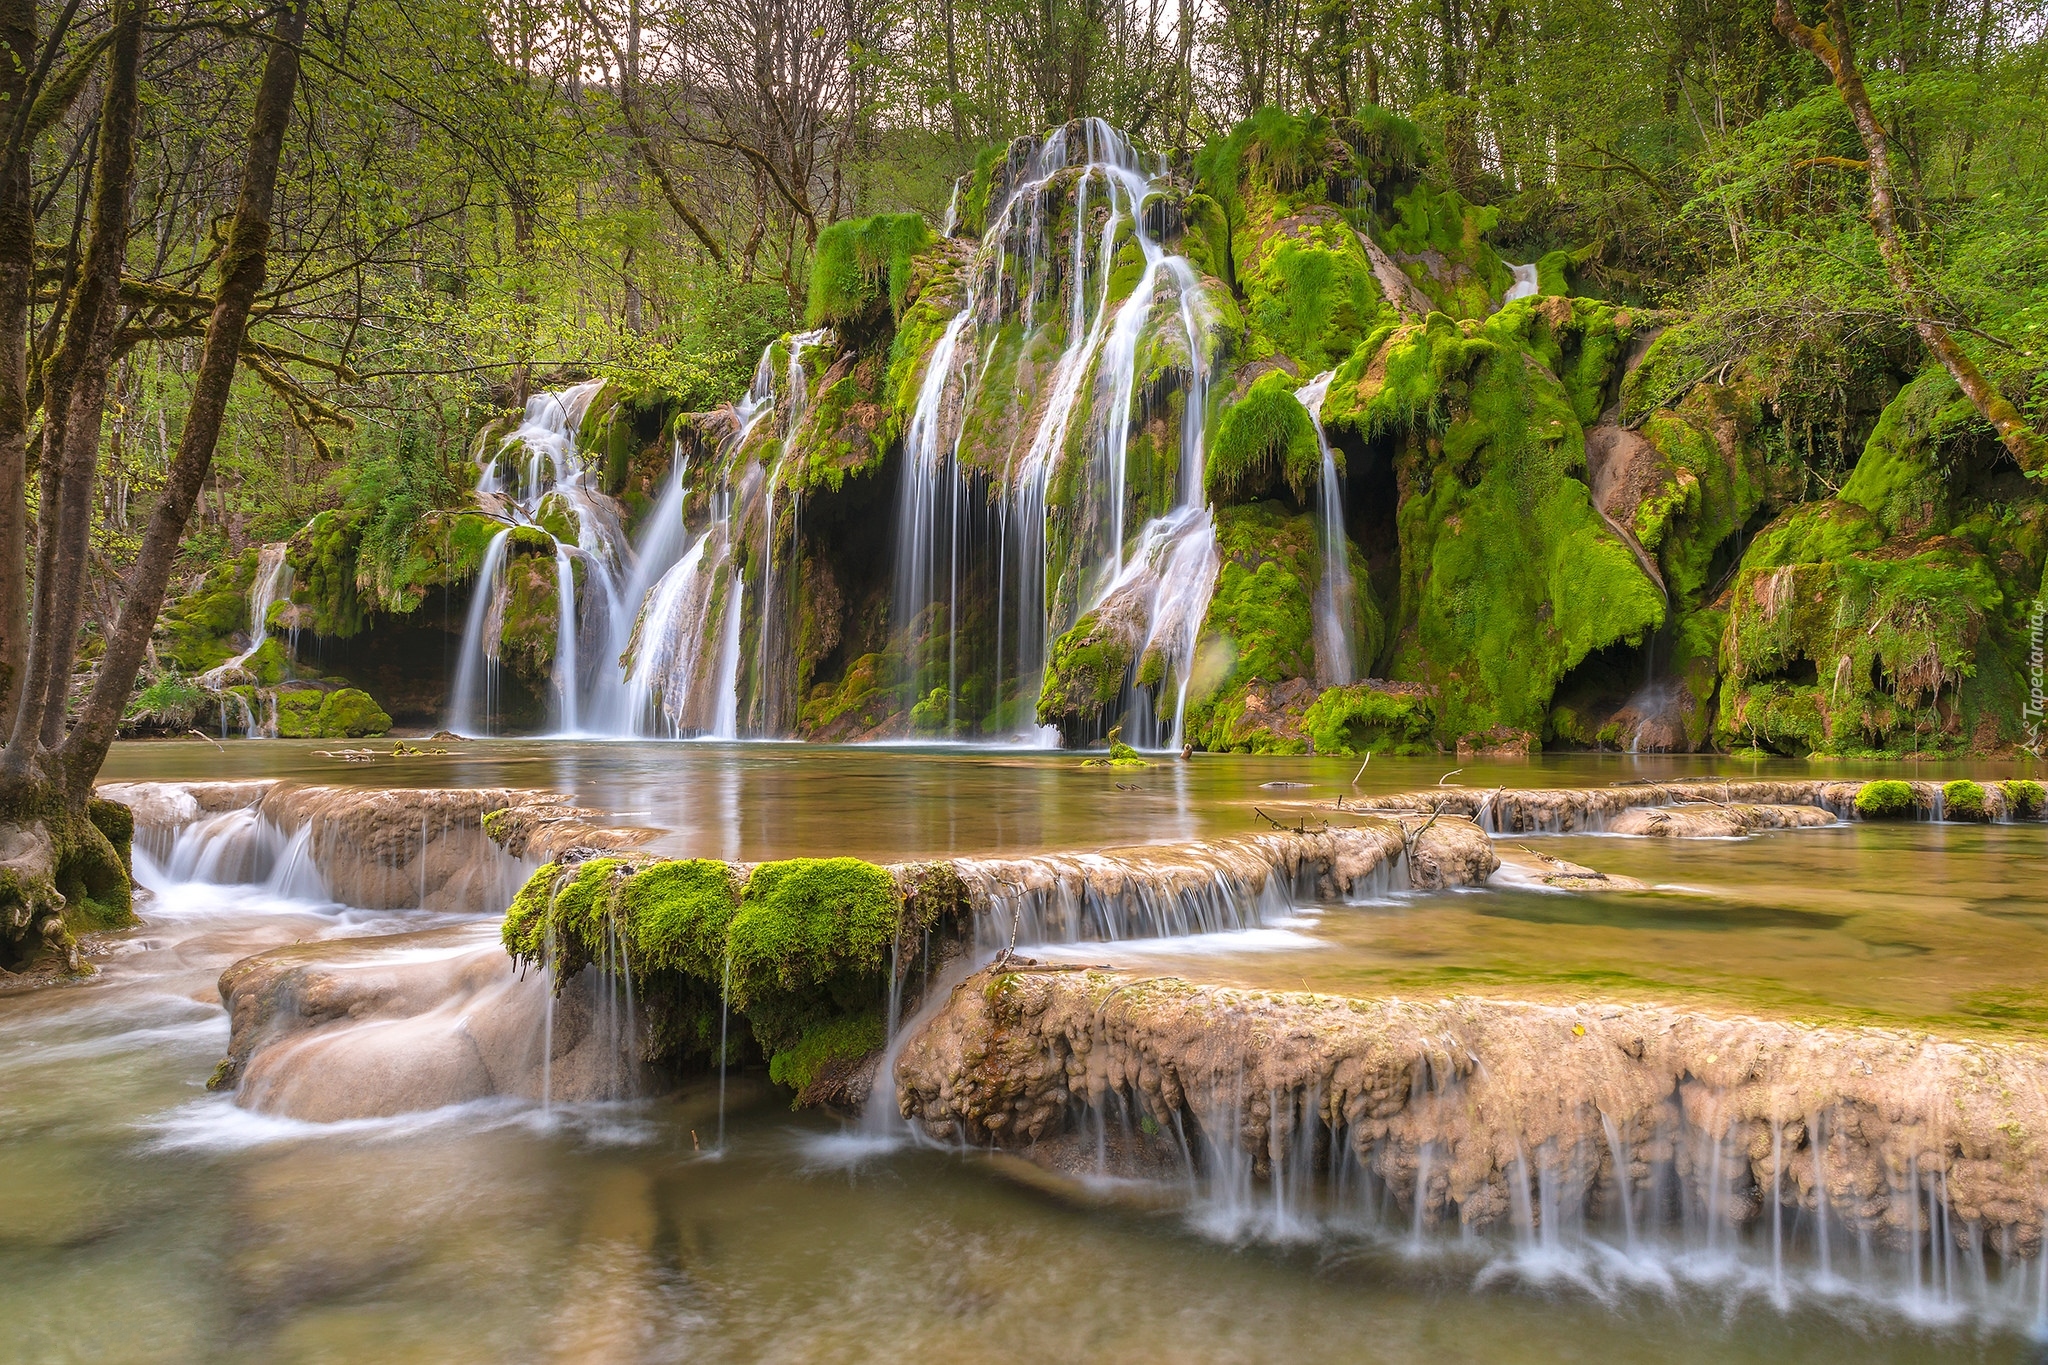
(144, 1219)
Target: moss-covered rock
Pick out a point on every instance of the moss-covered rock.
(1888, 620)
(200, 629)
(1509, 575)
(861, 272)
(1963, 799)
(1308, 287)
(1255, 658)
(1265, 440)
(1371, 718)
(1888, 799)
(316, 713)
(799, 952)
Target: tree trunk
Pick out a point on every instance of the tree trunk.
(17, 273)
(242, 265)
(1838, 54)
(74, 397)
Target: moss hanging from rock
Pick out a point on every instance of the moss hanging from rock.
(1266, 433)
(861, 271)
(800, 950)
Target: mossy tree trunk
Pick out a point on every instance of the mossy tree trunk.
(64, 855)
(1834, 46)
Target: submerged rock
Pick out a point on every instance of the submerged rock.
(1717, 821)
(1593, 1101)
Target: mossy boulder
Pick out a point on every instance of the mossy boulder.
(1371, 718)
(1963, 799)
(1888, 799)
(1509, 575)
(798, 952)
(316, 713)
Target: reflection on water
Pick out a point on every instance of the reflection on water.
(143, 1219)
(752, 802)
(1939, 926)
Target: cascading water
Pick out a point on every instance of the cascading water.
(647, 636)
(272, 584)
(1052, 563)
(1336, 594)
(1525, 284)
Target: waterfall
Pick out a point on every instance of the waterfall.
(1525, 284)
(1336, 594)
(1080, 437)
(648, 636)
(269, 588)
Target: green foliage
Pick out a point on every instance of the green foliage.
(170, 701)
(840, 1040)
(395, 489)
(2025, 798)
(1266, 432)
(1962, 799)
(1889, 799)
(1362, 719)
(861, 263)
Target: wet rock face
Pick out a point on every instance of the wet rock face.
(377, 849)
(373, 1027)
(1488, 1096)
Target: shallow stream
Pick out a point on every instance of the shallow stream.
(498, 1231)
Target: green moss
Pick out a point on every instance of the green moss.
(1361, 719)
(2025, 798)
(1902, 477)
(1267, 432)
(351, 713)
(1086, 670)
(1509, 577)
(975, 205)
(1962, 799)
(1121, 755)
(310, 713)
(1885, 800)
(198, 631)
(1439, 239)
(1260, 627)
(799, 951)
(838, 1040)
(861, 268)
(323, 558)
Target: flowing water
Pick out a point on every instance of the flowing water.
(506, 1229)
(1336, 594)
(1148, 556)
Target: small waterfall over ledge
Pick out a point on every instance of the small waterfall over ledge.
(272, 584)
